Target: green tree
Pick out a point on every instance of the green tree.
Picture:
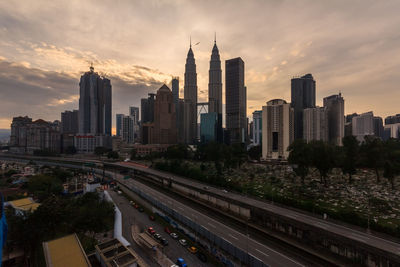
(391, 166)
(300, 156)
(179, 151)
(133, 153)
(113, 155)
(372, 154)
(255, 152)
(322, 158)
(43, 186)
(100, 150)
(349, 157)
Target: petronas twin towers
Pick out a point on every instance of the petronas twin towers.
(190, 92)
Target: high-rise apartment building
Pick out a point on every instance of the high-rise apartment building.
(334, 106)
(257, 127)
(392, 119)
(315, 124)
(277, 129)
(164, 117)
(190, 97)
(303, 96)
(28, 136)
(236, 100)
(70, 122)
(94, 104)
(127, 130)
(363, 125)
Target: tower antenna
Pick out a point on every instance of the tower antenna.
(215, 37)
(190, 38)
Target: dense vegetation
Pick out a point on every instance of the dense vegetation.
(220, 165)
(57, 216)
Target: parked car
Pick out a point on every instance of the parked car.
(183, 242)
(136, 206)
(166, 229)
(151, 231)
(151, 217)
(164, 241)
(192, 249)
(181, 262)
(157, 236)
(174, 235)
(141, 209)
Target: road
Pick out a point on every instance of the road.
(340, 230)
(266, 254)
(131, 216)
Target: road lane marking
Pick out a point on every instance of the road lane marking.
(233, 237)
(262, 252)
(181, 208)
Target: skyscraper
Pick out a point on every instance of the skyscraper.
(94, 104)
(303, 96)
(118, 124)
(257, 127)
(209, 123)
(134, 114)
(147, 106)
(277, 129)
(164, 117)
(235, 98)
(215, 82)
(378, 126)
(175, 90)
(334, 106)
(190, 97)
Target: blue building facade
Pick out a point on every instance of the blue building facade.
(3, 228)
(211, 127)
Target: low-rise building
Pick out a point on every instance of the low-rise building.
(23, 205)
(65, 251)
(113, 253)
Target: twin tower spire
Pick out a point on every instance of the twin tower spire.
(190, 90)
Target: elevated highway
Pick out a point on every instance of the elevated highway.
(335, 243)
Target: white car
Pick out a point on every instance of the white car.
(174, 235)
(183, 242)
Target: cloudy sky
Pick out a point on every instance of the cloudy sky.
(349, 46)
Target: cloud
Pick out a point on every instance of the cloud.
(351, 46)
(45, 94)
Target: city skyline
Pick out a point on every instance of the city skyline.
(356, 55)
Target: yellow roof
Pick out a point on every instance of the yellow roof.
(65, 252)
(24, 204)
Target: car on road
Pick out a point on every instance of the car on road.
(181, 262)
(151, 231)
(183, 242)
(119, 192)
(166, 229)
(136, 206)
(202, 257)
(164, 241)
(192, 250)
(141, 209)
(157, 236)
(151, 217)
(174, 235)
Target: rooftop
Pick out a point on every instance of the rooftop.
(24, 204)
(64, 252)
